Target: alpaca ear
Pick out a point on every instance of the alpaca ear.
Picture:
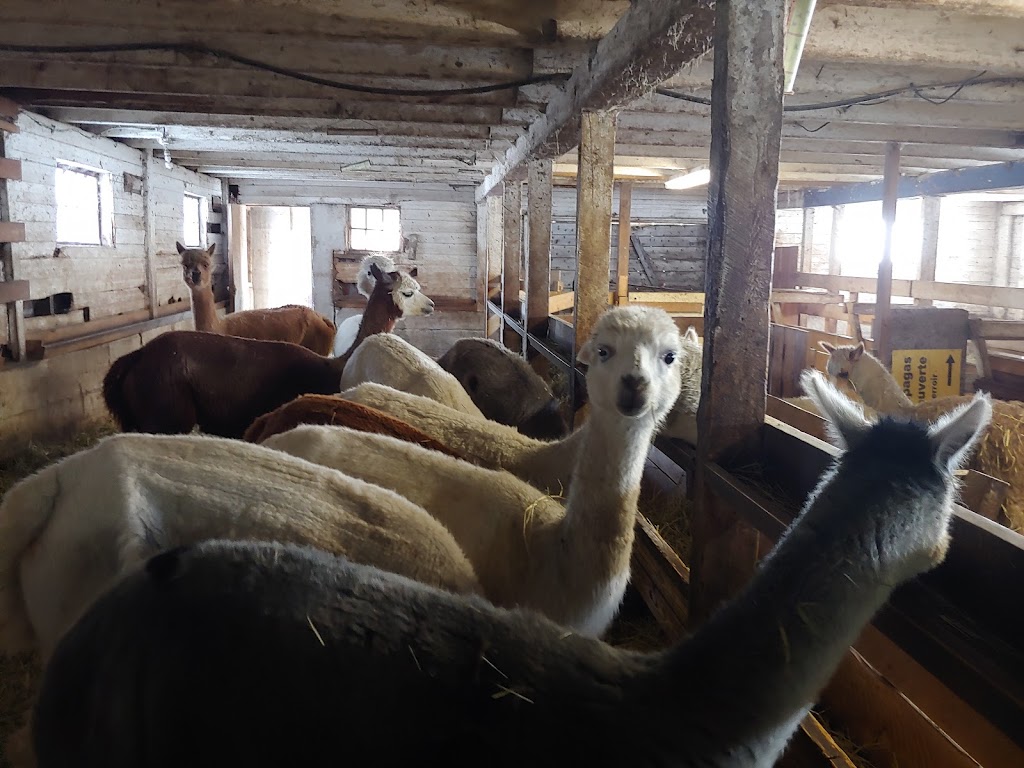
(414, 272)
(375, 271)
(691, 335)
(857, 352)
(472, 382)
(844, 420)
(211, 248)
(955, 435)
(181, 248)
(585, 354)
(826, 347)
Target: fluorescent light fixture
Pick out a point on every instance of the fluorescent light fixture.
(697, 178)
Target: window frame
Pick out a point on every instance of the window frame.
(368, 207)
(202, 204)
(104, 204)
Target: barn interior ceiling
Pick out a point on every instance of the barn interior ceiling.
(330, 91)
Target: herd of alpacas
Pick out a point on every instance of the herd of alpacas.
(404, 560)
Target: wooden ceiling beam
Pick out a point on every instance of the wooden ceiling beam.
(210, 80)
(306, 52)
(919, 35)
(354, 115)
(652, 41)
(454, 22)
(999, 8)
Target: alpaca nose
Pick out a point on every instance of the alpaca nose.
(430, 307)
(635, 384)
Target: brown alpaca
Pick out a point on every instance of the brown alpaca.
(294, 323)
(223, 383)
(333, 410)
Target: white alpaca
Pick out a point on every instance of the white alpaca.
(868, 377)
(682, 419)
(408, 297)
(568, 562)
(388, 359)
(69, 531)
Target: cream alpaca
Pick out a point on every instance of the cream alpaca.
(545, 465)
(999, 453)
(67, 532)
(570, 563)
(391, 360)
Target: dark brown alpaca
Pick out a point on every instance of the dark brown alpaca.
(223, 383)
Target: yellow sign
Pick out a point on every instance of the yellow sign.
(927, 374)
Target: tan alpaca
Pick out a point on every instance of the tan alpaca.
(1000, 452)
(568, 561)
(294, 323)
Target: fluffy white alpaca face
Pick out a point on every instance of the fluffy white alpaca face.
(410, 299)
(632, 358)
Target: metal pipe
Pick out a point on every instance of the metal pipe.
(797, 28)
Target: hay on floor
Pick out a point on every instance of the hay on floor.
(37, 455)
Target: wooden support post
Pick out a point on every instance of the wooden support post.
(593, 222)
(512, 261)
(807, 241)
(746, 128)
(622, 257)
(883, 298)
(481, 260)
(538, 263)
(229, 235)
(8, 264)
(149, 232)
(835, 266)
(930, 209)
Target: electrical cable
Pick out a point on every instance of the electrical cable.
(197, 48)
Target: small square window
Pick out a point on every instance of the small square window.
(193, 231)
(85, 203)
(374, 229)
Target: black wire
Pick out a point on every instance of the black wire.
(195, 48)
(870, 99)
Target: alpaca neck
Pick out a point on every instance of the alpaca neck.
(782, 639)
(877, 386)
(380, 316)
(204, 309)
(601, 505)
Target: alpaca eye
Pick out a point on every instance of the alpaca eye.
(603, 353)
(669, 358)
(407, 294)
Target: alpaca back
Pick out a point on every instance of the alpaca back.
(392, 361)
(292, 323)
(221, 383)
(335, 411)
(133, 495)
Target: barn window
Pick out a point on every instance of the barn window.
(194, 225)
(85, 203)
(374, 229)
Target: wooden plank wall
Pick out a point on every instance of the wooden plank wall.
(110, 280)
(51, 397)
(670, 227)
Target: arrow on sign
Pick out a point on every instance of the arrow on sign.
(949, 370)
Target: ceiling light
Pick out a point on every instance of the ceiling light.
(696, 178)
